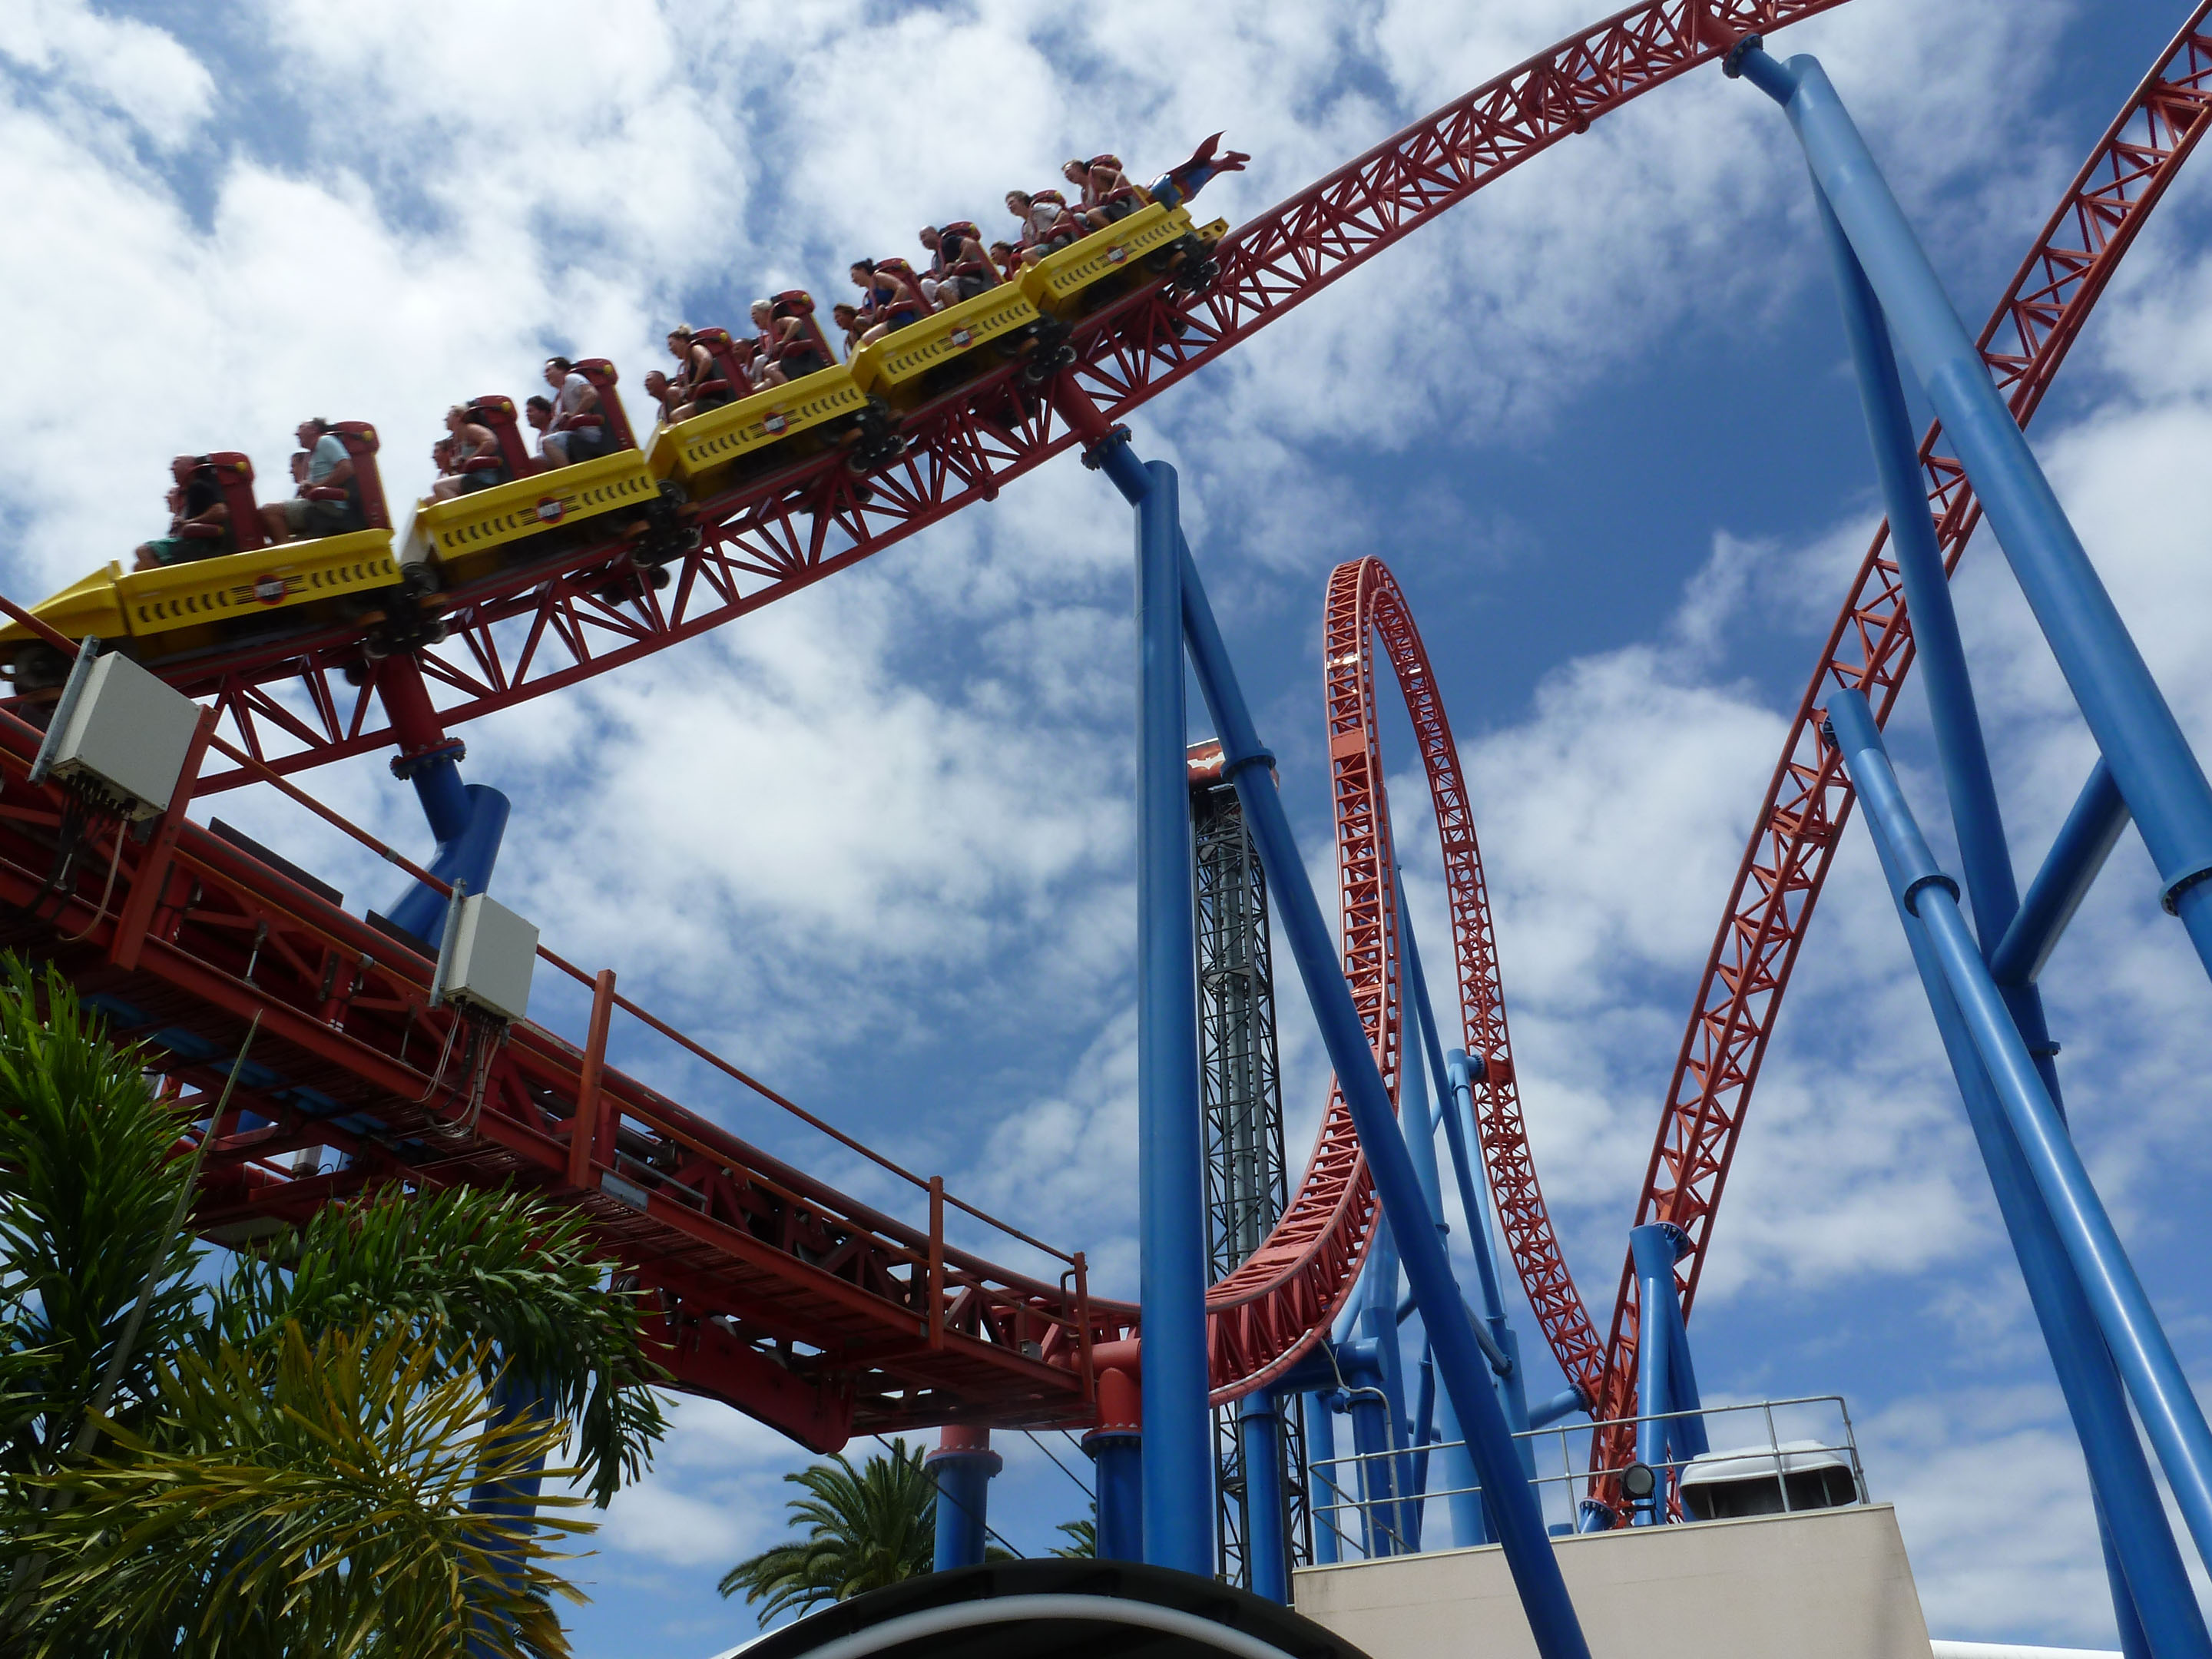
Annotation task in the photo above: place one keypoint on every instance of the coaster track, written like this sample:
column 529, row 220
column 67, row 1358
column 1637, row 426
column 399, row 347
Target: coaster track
column 819, row 1315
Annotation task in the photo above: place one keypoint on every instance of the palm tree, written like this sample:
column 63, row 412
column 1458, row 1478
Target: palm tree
column 333, row 1519
column 1082, row 1543
column 355, row 1357
column 865, row 1527
column 88, row 1188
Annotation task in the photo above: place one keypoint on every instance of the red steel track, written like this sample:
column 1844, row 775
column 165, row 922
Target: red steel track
column 817, row 1314
column 1809, row 800
column 530, row 631
column 524, row 633
column 1364, row 603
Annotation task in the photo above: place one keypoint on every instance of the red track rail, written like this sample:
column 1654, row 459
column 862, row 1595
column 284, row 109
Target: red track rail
column 1809, row 800
column 776, row 1293
column 1364, row 603
column 523, row 634
column 816, row 1313
column 534, row 630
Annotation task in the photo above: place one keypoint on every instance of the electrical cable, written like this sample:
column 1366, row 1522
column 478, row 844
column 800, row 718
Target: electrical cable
column 989, row 1531
column 1061, row 1466
column 106, row 892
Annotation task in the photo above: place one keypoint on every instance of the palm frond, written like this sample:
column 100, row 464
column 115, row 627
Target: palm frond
column 323, row 1507
column 87, row 1182
column 865, row 1527
column 465, row 1267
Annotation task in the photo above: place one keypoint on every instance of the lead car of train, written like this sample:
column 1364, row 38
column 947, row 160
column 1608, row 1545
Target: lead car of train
column 640, row 499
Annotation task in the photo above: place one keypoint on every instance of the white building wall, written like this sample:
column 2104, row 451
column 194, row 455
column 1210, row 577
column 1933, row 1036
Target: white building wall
column 1828, row 1584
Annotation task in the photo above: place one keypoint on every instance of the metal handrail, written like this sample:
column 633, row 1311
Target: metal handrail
column 1346, row 1484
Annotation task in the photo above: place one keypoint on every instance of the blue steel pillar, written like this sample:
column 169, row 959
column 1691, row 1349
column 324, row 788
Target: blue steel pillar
column 1984, row 854
column 1460, row 1361
column 2101, row 1270
column 515, row 1399
column 1667, row 1378
column 1178, row 1449
column 2085, row 840
column 1455, row 1467
column 467, row 820
column 1266, row 1512
column 962, row 1464
column 1986, row 860
column 1116, row 1450
column 2164, row 786
column 1324, row 1492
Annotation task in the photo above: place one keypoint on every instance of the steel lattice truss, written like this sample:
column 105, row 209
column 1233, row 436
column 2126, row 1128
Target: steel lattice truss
column 534, row 630
column 1365, row 604
column 1871, row 647
column 777, row 1293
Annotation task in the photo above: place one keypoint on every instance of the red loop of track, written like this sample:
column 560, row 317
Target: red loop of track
column 1809, row 801
column 533, row 630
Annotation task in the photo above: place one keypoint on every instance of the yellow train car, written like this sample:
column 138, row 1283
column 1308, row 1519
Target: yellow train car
column 1065, row 284
column 698, row 452
column 904, row 368
column 471, row 535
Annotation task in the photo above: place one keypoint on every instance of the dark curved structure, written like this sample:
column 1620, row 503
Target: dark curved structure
column 1065, row 1609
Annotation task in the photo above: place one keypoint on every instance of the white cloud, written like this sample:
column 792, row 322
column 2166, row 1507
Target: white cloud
column 875, row 843
column 117, row 65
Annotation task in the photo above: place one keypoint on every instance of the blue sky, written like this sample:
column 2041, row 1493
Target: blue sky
column 874, row 842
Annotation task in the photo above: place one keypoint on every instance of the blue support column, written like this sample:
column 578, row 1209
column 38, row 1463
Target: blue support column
column 1267, row 1514
column 467, row 820
column 962, row 1464
column 1460, row 1133
column 1668, row 1380
column 1455, row 1466
column 2131, row 1515
column 1325, row 1491
column 2164, row 786
column 1460, row 1361
column 1178, row 1448
column 2085, row 840
column 515, row 1399
column 2088, row 836
column 2100, row 1270
column 1984, row 854
column 1383, row 1526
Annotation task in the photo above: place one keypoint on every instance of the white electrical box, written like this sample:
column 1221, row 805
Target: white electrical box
column 127, row 737
column 493, row 952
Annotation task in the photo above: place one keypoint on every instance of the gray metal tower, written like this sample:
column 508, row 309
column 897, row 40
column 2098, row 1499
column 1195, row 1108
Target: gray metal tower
column 1247, row 1184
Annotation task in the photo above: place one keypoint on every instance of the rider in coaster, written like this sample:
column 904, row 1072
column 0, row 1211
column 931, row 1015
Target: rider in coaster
column 1046, row 224
column 194, row 499
column 894, row 295
column 657, row 387
column 1108, row 195
column 848, row 317
column 1175, row 187
column 784, row 350
column 465, row 439
column 699, row 384
column 958, row 267
column 328, row 467
column 566, row 444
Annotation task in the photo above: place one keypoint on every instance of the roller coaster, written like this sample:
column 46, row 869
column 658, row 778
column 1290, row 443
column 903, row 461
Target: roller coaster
column 818, row 1315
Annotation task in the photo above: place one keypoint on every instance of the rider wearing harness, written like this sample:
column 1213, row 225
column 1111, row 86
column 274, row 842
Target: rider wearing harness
column 894, row 296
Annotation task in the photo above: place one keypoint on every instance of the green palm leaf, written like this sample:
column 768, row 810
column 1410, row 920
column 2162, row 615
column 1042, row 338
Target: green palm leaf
column 466, row 1267
column 324, row 1508
column 865, row 1527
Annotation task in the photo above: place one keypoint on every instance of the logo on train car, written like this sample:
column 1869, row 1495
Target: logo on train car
column 550, row 510
column 1115, row 254
column 961, row 336
column 268, row 590
column 774, row 422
